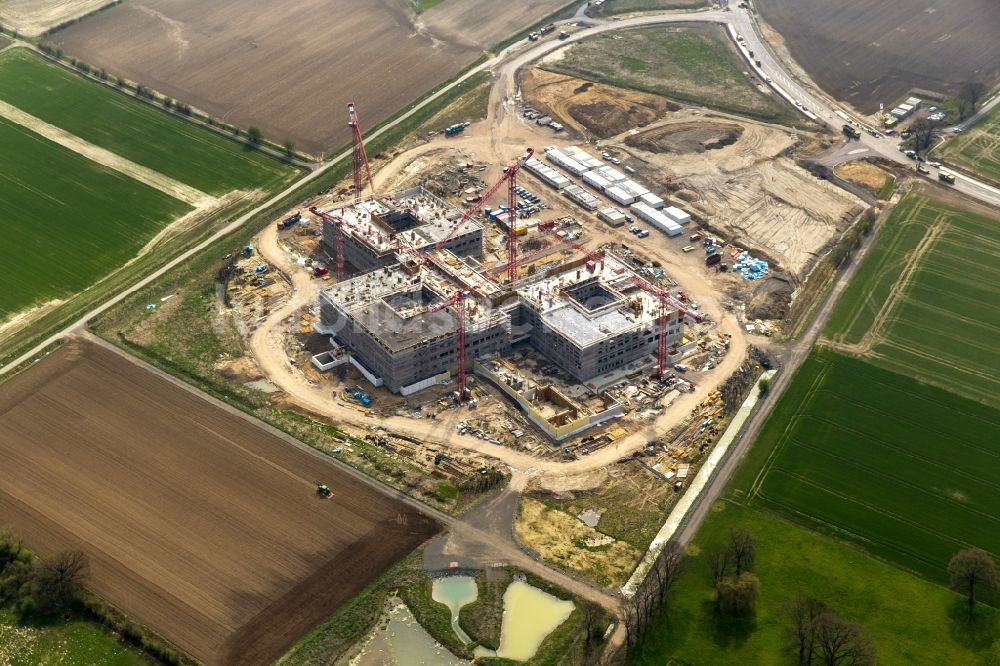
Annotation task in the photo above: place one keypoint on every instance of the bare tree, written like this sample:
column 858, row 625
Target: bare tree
column 630, row 613
column 923, row 133
column 670, row 565
column 802, row 632
column 969, row 95
column 972, row 570
column 57, row 581
column 742, row 550
column 718, row 561
column 841, row 643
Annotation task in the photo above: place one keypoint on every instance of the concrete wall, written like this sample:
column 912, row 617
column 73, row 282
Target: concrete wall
column 558, row 433
column 604, row 356
column 401, row 368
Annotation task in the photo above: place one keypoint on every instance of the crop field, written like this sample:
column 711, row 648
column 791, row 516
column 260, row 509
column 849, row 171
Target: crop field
column 905, row 470
column 868, row 53
column 90, row 176
column 291, row 68
column 978, row 147
column 33, row 17
column 198, row 522
column 134, row 130
column 696, row 64
column 926, row 302
column 60, row 239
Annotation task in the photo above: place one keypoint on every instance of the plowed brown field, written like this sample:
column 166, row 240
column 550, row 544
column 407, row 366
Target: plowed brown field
column 198, row 522
column 867, row 52
column 291, row 67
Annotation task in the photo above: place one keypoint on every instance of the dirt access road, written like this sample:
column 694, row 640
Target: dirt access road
column 197, row 522
column 268, row 348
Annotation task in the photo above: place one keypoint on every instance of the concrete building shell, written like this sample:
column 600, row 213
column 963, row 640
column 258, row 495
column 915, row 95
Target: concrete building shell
column 585, row 316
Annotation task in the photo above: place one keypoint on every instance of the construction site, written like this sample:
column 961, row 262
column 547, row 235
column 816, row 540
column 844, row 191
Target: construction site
column 428, row 310
column 503, row 292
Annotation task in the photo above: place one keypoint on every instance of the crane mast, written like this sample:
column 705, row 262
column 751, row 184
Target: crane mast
column 360, row 154
column 509, row 174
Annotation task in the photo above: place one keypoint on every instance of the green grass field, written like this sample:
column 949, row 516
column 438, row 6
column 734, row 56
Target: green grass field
column 67, row 220
column 908, row 471
column 880, row 461
column 926, row 301
column 125, row 126
column 911, row 621
column 73, row 643
column 696, row 64
column 977, row 148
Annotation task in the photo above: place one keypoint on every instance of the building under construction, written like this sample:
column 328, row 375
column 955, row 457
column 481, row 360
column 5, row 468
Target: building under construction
column 399, row 318
column 376, row 227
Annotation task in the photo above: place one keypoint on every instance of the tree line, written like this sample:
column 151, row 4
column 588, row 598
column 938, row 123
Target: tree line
column 46, row 590
column 254, row 135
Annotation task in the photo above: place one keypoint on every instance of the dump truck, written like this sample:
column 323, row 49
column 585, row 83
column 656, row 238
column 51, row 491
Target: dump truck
column 289, row 221
column 852, row 132
column 946, row 176
column 547, row 29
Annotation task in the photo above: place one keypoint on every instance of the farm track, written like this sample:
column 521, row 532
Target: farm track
column 198, row 522
column 145, row 175
column 873, row 335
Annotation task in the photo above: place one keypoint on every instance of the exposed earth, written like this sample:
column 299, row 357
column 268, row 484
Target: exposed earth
column 867, row 53
column 197, row 522
column 291, row 69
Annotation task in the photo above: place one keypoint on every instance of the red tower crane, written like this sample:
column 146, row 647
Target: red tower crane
column 338, row 236
column 360, row 154
column 667, row 302
column 509, row 176
column 457, row 299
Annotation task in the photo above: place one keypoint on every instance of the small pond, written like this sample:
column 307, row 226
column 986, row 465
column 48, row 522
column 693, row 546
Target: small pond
column 529, row 615
column 455, row 592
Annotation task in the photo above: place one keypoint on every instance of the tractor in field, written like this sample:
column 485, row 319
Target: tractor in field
column 323, row 491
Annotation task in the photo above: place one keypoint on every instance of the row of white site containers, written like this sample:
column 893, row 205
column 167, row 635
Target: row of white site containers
column 603, row 177
column 668, row 220
column 547, row 174
column 565, row 161
column 629, row 192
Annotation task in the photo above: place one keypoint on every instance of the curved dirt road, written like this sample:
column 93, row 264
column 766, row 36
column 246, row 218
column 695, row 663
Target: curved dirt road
column 267, row 347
